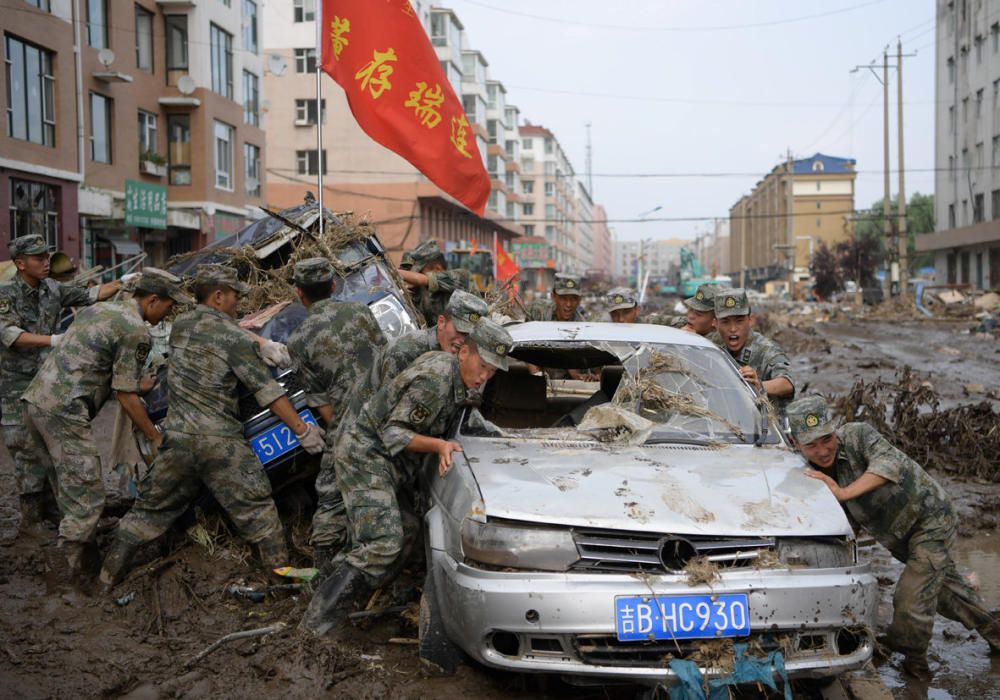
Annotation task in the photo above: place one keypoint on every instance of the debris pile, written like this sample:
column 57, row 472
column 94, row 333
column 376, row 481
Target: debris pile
column 963, row 440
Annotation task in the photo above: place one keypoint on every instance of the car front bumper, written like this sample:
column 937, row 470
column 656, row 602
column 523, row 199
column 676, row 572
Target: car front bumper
column 564, row 623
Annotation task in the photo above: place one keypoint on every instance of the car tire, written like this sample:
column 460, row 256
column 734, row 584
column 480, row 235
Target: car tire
column 438, row 655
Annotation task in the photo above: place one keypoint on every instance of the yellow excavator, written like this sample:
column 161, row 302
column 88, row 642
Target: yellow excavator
column 479, row 263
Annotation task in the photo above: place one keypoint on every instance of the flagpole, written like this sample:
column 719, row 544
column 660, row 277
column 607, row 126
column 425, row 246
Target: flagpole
column 494, row 256
column 318, row 14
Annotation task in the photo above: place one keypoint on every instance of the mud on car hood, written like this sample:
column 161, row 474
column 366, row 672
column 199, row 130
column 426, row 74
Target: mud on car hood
column 738, row 490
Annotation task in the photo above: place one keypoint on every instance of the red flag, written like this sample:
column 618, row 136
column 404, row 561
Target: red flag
column 399, row 94
column 507, row 269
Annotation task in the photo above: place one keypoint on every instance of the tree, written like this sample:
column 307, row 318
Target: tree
column 825, row 271
column 870, row 224
column 859, row 259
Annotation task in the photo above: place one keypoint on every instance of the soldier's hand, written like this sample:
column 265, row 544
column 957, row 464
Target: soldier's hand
column 275, row 355
column 312, row 439
column 444, row 455
column 55, row 339
column 156, row 443
column 826, row 479
column 147, row 383
column 750, row 374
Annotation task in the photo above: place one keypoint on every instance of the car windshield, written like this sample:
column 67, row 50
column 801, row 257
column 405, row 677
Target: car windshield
column 630, row 393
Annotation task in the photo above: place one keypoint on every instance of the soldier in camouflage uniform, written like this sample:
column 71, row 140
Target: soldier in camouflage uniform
column 433, row 281
column 30, row 307
column 908, row 512
column 332, row 350
column 563, row 304
column 204, row 443
column 762, row 362
column 700, row 316
column 103, row 351
column 408, row 415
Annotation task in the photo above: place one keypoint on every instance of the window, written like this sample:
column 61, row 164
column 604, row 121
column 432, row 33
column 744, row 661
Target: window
column 305, row 112
column 33, row 210
column 965, row 110
column 951, row 119
column 526, row 144
column 550, row 231
column 179, row 148
column 251, row 167
column 147, row 134
column 965, row 159
column 977, row 209
column 819, row 205
column 250, row 26
column 223, row 156
column 305, row 60
column 177, row 47
column 550, row 189
column 979, row 103
column 528, row 209
column 550, row 168
column 222, row 61
column 529, row 229
column 979, row 156
column 227, row 3
column 979, row 50
column 306, row 162
column 143, row 39
column 100, row 128
column 40, row 4
column 251, row 99
column 951, row 167
column 995, row 204
column 528, row 164
column 550, row 211
column 951, row 69
column 97, row 23
column 817, row 166
column 304, row 10
column 548, row 145
column 951, row 216
column 31, row 114
column 995, row 36
column 529, row 186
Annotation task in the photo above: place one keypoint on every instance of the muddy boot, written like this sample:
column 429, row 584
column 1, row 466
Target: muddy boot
column 323, row 555
column 335, row 597
column 116, row 564
column 915, row 665
column 991, row 633
column 273, row 552
column 32, row 510
column 62, row 567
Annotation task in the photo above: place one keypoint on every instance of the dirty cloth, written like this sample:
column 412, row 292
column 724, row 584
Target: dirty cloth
column 749, row 669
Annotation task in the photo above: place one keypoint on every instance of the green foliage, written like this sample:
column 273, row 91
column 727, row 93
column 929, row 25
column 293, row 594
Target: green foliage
column 869, row 224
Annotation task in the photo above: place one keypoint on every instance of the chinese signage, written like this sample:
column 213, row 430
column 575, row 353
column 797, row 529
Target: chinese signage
column 533, row 255
column 145, row 205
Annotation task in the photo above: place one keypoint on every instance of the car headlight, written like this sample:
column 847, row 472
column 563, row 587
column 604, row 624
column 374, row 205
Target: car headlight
column 518, row 546
column 818, row 553
column 392, row 316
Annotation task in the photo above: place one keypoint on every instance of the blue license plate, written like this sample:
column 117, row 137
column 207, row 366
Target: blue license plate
column 278, row 440
column 639, row 618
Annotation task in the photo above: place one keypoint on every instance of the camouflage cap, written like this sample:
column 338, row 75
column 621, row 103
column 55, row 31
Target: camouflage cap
column 732, row 302
column 32, row 244
column 312, row 271
column 163, row 284
column 809, row 419
column 567, row 284
column 424, row 254
column 466, row 310
column 220, row 275
column 493, row 341
column 621, row 298
column 704, row 298
column 407, row 261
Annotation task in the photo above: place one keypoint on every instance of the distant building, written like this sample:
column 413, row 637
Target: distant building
column 712, row 248
column 966, row 242
column 75, row 132
column 761, row 243
column 659, row 258
column 603, row 260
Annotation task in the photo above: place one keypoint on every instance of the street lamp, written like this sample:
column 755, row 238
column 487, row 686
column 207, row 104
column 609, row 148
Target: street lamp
column 644, row 214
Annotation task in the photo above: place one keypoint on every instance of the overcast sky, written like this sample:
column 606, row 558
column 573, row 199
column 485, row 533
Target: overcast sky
column 711, row 87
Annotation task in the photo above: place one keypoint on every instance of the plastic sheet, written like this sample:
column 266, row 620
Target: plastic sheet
column 748, row 669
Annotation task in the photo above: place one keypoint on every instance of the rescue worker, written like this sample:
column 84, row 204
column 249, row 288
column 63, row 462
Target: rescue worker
column 432, row 279
column 906, row 511
column 334, row 348
column 563, row 303
column 700, row 317
column 762, row 363
column 407, row 416
column 623, row 305
column 102, row 352
column 204, row 442
column 30, row 307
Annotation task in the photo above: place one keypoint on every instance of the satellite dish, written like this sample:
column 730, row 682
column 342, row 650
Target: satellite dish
column 277, row 64
column 106, row 57
column 265, row 105
column 186, row 85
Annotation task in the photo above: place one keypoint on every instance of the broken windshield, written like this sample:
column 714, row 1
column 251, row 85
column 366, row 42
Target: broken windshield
column 647, row 392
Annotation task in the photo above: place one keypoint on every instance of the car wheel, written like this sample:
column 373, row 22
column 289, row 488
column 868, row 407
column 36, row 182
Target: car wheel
column 437, row 653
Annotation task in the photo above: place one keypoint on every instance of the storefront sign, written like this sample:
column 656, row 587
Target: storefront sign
column 145, row 205
column 532, row 255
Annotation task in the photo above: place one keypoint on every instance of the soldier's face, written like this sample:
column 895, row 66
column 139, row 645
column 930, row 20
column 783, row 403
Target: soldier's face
column 449, row 338
column 735, row 330
column 701, row 321
column 474, row 370
column 156, row 308
column 436, row 266
column 35, row 267
column 625, row 315
column 822, row 451
column 228, row 299
column 565, row 306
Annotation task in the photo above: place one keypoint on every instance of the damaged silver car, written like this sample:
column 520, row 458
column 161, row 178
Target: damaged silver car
column 600, row 529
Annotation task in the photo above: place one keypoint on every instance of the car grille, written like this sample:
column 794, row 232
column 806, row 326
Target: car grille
column 615, row 551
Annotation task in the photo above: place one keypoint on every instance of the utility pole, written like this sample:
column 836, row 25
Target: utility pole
column 891, row 248
column 904, row 240
column 590, row 174
column 790, row 225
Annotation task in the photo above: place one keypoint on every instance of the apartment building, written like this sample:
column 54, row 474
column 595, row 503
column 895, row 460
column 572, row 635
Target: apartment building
column 602, row 263
column 163, row 103
column 660, row 258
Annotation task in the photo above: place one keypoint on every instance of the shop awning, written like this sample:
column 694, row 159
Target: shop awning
column 125, row 249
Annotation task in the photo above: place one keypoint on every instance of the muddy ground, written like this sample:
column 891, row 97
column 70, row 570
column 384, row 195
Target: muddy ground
column 75, row 646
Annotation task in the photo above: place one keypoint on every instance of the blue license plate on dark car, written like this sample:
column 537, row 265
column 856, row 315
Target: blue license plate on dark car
column 279, row 440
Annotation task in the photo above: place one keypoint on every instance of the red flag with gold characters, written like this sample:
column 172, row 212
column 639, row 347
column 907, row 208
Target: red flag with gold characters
column 507, row 269
column 378, row 51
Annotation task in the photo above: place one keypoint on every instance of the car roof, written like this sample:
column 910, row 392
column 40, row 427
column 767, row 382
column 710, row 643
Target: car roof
column 565, row 331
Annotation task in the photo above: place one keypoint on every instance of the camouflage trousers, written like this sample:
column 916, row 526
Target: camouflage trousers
column 69, row 442
column 185, row 462
column 931, row 583
column 329, row 525
column 33, row 469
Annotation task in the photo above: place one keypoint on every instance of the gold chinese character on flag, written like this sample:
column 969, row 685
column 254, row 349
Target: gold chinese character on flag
column 374, row 75
column 459, row 127
column 425, row 103
column 338, row 28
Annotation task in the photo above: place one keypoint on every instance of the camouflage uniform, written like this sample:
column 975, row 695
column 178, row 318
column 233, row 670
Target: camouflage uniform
column 204, row 441
column 332, row 350
column 432, row 299
column 912, row 517
column 545, row 309
column 103, row 351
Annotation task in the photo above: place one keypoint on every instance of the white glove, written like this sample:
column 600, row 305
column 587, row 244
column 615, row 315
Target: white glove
column 312, row 440
column 276, row 355
column 130, row 277
column 54, row 340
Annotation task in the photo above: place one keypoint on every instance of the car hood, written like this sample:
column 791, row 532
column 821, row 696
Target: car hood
column 737, row 490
